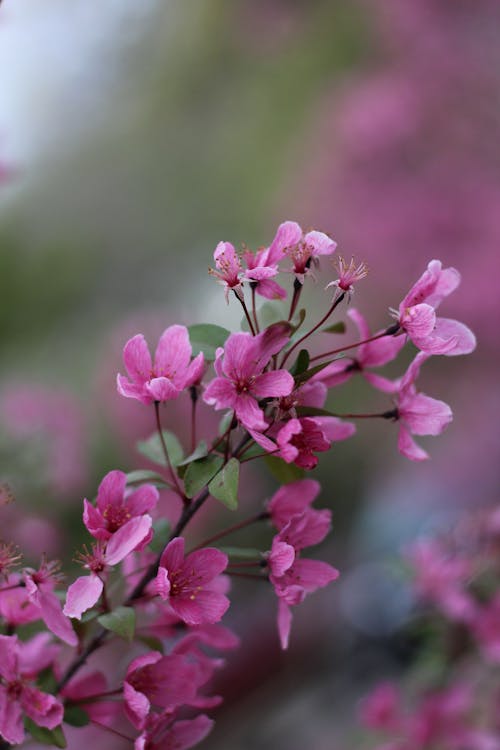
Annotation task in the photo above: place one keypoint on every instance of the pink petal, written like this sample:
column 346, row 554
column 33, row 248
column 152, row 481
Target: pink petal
column 9, row 648
column 380, row 383
column 37, row 654
column 194, row 372
column 238, row 356
column 335, row 373
column 54, row 618
column 271, row 290
column 249, row 413
column 131, row 390
column 11, row 724
column 44, row 709
column 137, row 706
column 82, row 595
column 162, row 389
column 207, row 563
column 173, row 555
column 185, row 734
column 280, row 558
column 111, row 490
column 162, row 583
column 272, row 384
column 465, row 341
column 263, row 441
column 137, row 359
column 413, row 371
column 424, row 415
column 259, row 273
column 94, row 521
column 220, row 393
column 381, row 351
column 127, row 538
column 321, row 243
column 206, row 607
column 360, row 322
column 142, row 500
column 419, row 321
column 289, row 234
column 335, row 429
column 265, row 344
column 313, row 574
column 408, row 447
column 173, row 353
column 292, row 499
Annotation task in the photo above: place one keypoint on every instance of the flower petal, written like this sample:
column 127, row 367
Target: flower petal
column 82, row 595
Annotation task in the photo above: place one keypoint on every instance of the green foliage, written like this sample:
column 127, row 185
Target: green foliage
column 54, row 737
column 335, row 328
column 120, row 621
column 206, row 338
column 153, row 449
column 76, row 716
column 161, row 535
column 283, row 472
column 199, row 473
column 224, row 486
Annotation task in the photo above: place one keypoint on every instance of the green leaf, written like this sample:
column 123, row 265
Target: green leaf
column 161, row 535
column 120, row 621
column 225, row 422
column 301, row 363
column 153, row 643
column 305, row 376
column 224, row 486
column 152, row 448
column 199, row 473
column 335, row 328
column 200, row 451
column 297, row 322
column 54, row 737
column 244, row 553
column 206, row 338
column 143, row 476
column 76, row 716
column 282, row 471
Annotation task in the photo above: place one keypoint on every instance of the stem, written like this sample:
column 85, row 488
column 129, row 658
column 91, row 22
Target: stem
column 173, row 475
column 297, row 289
column 391, row 414
column 254, row 308
column 391, row 331
column 194, row 400
column 247, row 315
column 248, row 564
column 250, row 576
column 325, row 317
column 232, row 529
column 113, row 731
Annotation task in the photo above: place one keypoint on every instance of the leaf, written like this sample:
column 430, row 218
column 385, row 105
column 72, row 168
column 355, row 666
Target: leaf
column 54, row 737
column 153, row 643
column 282, row 471
column 224, row 486
column 161, row 535
column 120, row 621
column 206, row 338
column 296, row 323
column 76, row 716
column 244, row 553
column 199, row 473
column 225, row 422
column 301, row 363
column 200, row 451
column 143, row 476
column 335, row 328
column 305, row 376
column 153, row 449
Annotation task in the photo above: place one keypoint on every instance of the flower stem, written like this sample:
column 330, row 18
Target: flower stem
column 254, row 309
column 247, row 315
column 232, row 529
column 297, row 289
column 172, row 473
column 391, row 331
column 325, row 317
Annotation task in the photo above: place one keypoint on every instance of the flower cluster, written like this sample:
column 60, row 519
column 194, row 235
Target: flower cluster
column 142, row 583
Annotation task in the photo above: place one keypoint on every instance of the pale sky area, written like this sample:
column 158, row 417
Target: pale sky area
column 57, row 61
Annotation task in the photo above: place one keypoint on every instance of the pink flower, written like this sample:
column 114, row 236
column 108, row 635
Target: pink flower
column 301, row 248
column 91, row 686
column 260, row 270
column 172, row 372
column 165, row 734
column 114, row 508
column 349, row 275
column 300, row 439
column 164, row 681
column 86, row 590
column 486, row 628
column 293, row 499
column 418, row 414
column 228, row 269
column 20, row 663
column 381, row 709
column 241, row 382
column 441, row 579
column 40, row 586
column 417, row 314
column 188, row 583
column 15, row 605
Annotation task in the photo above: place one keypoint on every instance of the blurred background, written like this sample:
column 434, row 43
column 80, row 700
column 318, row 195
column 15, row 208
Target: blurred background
column 134, row 137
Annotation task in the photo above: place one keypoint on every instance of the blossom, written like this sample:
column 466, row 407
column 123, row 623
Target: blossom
column 349, row 275
column 260, row 270
column 418, row 414
column 188, row 582
column 301, row 248
column 40, row 586
column 417, row 314
column 300, row 439
column 164, row 733
column 240, row 380
column 294, row 499
column 19, row 665
column 228, row 269
column 114, row 508
column 171, row 373
column 86, row 590
column 164, row 681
